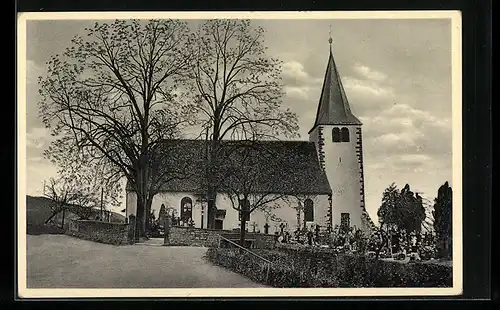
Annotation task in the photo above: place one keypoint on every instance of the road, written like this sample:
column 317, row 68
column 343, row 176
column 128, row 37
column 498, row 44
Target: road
column 59, row 261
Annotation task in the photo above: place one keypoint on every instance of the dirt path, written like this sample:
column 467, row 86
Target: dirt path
column 59, row 261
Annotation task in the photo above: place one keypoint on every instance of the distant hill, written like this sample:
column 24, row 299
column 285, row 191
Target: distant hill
column 38, row 211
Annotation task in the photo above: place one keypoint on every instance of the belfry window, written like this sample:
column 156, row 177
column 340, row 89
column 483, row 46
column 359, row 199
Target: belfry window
column 336, row 134
column 345, row 134
column 308, row 210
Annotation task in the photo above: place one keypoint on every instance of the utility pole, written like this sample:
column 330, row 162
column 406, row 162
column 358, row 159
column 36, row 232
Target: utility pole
column 202, row 211
column 102, row 194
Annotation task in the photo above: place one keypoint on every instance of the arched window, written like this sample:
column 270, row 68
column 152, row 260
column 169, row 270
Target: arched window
column 308, row 210
column 345, row 134
column 186, row 208
column 336, row 134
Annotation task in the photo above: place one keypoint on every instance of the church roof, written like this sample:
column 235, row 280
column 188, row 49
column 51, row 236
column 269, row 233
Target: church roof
column 281, row 167
column 333, row 107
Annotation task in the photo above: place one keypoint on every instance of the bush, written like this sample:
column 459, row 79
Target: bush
column 318, row 268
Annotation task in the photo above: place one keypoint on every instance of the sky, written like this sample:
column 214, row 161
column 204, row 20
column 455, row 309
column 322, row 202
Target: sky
column 396, row 74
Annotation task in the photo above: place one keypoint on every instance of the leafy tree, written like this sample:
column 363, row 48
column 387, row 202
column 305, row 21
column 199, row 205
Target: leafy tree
column 235, row 92
column 443, row 220
column 389, row 212
column 402, row 212
column 111, row 96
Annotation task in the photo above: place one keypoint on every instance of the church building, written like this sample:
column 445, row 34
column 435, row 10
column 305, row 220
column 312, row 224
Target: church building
column 321, row 182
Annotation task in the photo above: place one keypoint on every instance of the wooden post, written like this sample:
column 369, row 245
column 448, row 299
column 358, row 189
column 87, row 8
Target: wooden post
column 62, row 222
column 267, row 272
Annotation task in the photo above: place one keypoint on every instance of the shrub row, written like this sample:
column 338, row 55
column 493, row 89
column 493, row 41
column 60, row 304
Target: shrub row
column 308, row 269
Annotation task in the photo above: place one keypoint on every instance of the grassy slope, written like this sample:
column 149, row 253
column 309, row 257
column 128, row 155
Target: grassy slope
column 38, row 210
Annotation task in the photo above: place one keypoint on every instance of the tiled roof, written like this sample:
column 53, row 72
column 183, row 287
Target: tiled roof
column 290, row 167
column 333, row 107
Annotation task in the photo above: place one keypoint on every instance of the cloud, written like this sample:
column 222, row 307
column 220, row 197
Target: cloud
column 366, row 87
column 368, row 73
column 38, row 170
column 33, row 71
column 398, row 140
column 38, row 138
column 294, row 92
column 419, row 117
column 294, row 74
column 402, row 120
column 413, row 158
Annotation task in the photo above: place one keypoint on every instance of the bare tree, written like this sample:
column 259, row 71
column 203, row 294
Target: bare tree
column 80, row 186
column 254, row 178
column 111, row 96
column 235, row 91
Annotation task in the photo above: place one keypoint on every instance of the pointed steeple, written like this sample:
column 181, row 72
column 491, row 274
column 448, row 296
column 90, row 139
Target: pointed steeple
column 333, row 107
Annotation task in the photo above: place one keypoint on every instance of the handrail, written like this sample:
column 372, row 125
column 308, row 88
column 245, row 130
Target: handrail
column 246, row 250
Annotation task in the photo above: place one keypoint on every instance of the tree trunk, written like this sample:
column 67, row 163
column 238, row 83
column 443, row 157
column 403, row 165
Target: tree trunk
column 242, row 231
column 298, row 218
column 54, row 213
column 147, row 213
column 377, row 253
column 212, row 182
column 142, row 198
column 139, row 217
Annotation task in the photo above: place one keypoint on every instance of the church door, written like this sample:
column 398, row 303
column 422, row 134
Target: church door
column 186, row 209
column 218, row 224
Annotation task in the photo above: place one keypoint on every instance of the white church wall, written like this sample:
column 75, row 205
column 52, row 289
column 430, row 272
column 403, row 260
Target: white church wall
column 344, row 175
column 170, row 200
column 284, row 213
column 173, row 200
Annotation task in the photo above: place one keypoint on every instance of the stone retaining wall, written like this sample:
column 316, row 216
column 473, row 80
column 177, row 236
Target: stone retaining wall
column 103, row 232
column 210, row 237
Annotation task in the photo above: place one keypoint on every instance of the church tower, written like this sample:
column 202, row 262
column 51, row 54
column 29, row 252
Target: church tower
column 338, row 138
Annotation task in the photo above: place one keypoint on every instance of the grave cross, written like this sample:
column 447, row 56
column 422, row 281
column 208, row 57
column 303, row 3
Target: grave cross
column 266, row 228
column 282, row 227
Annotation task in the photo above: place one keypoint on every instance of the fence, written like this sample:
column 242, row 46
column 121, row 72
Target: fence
column 266, row 261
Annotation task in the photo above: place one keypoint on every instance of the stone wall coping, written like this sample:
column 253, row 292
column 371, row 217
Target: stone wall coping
column 100, row 222
column 222, row 231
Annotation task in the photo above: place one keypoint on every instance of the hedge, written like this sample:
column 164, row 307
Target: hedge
column 315, row 269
